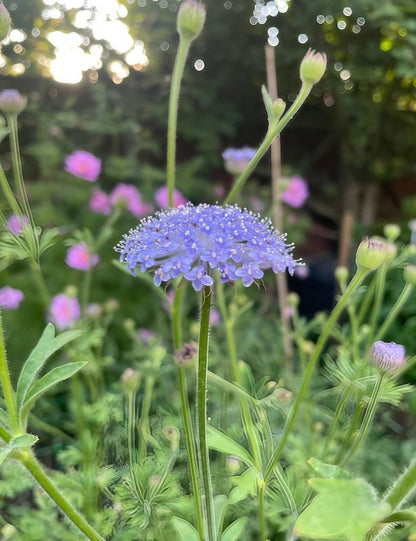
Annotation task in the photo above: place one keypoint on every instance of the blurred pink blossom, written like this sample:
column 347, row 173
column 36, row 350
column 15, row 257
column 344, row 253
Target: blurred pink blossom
column 100, row 202
column 84, row 165
column 64, row 311
column 162, row 199
column 302, row 271
column 10, row 298
column 296, row 193
column 128, row 195
column 288, row 312
column 79, row 257
column 15, row 223
column 214, row 317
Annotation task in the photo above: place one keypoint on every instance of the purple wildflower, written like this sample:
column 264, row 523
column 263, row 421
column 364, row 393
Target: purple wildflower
column 387, row 355
column 194, row 240
column 296, row 193
column 79, row 257
column 128, row 196
column 237, row 159
column 84, row 165
column 15, row 224
column 64, row 311
column 100, row 202
column 10, row 298
column 12, row 102
column 162, row 198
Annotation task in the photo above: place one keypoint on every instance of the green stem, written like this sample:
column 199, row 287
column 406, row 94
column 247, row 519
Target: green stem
column 131, row 424
column 27, row 458
column 403, row 486
column 184, row 45
column 380, row 287
column 202, row 412
column 86, row 286
column 231, row 388
column 8, row 193
column 368, row 417
column 43, row 290
column 189, row 435
column 262, row 516
column 5, row 434
column 272, row 132
column 404, row 295
column 355, row 282
column 356, row 420
column 7, row 386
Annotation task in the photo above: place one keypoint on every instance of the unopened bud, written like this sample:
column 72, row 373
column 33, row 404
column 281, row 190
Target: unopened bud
column 187, row 354
column 312, row 67
column 392, row 232
column 191, row 19
column 387, row 355
column 130, row 379
column 4, row 21
column 409, row 274
column 171, row 433
column 371, row 253
column 12, row 102
column 293, row 300
column 233, row 464
column 341, row 274
column 279, row 107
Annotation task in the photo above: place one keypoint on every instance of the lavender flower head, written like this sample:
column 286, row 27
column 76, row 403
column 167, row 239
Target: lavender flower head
column 84, row 165
column 10, row 298
column 194, row 240
column 237, row 159
column 387, row 355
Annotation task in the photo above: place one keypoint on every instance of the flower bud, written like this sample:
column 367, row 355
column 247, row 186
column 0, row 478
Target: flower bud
column 371, row 253
column 191, row 19
column 341, row 274
column 293, row 299
column 130, row 379
column 392, row 232
column 409, row 274
column 187, row 354
column 279, row 107
column 171, row 433
column 233, row 464
column 312, row 67
column 4, row 21
column 12, row 102
column 387, row 355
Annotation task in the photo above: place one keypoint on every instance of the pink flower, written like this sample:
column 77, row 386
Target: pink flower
column 162, row 199
column 79, row 257
column 15, row 224
column 302, row 271
column 128, row 196
column 214, row 318
column 64, row 311
column 100, row 202
column 297, row 192
column 84, row 165
column 10, row 298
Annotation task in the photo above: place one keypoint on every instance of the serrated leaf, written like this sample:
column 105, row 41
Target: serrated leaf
column 185, row 529
column 48, row 344
column 222, row 442
column 55, row 376
column 23, row 441
column 342, row 507
column 267, row 103
column 235, row 530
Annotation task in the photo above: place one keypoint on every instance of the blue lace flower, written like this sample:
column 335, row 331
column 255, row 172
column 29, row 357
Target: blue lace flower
column 193, row 241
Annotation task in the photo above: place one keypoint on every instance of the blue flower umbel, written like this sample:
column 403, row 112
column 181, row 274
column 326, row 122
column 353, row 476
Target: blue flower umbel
column 193, row 241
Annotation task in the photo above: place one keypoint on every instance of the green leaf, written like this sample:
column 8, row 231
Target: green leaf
column 185, row 529
column 235, row 530
column 4, row 453
column 220, row 507
column 245, row 484
column 267, row 103
column 48, row 344
column 342, row 507
column 328, row 470
column 221, row 442
column 55, row 376
column 23, row 441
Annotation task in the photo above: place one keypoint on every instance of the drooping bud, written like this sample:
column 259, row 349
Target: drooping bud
column 191, row 19
column 4, row 21
column 387, row 355
column 312, row 67
column 409, row 274
column 371, row 253
column 12, row 102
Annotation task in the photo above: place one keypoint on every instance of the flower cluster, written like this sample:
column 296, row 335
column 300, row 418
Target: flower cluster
column 296, row 193
column 194, row 240
column 84, row 165
column 123, row 195
column 10, row 298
